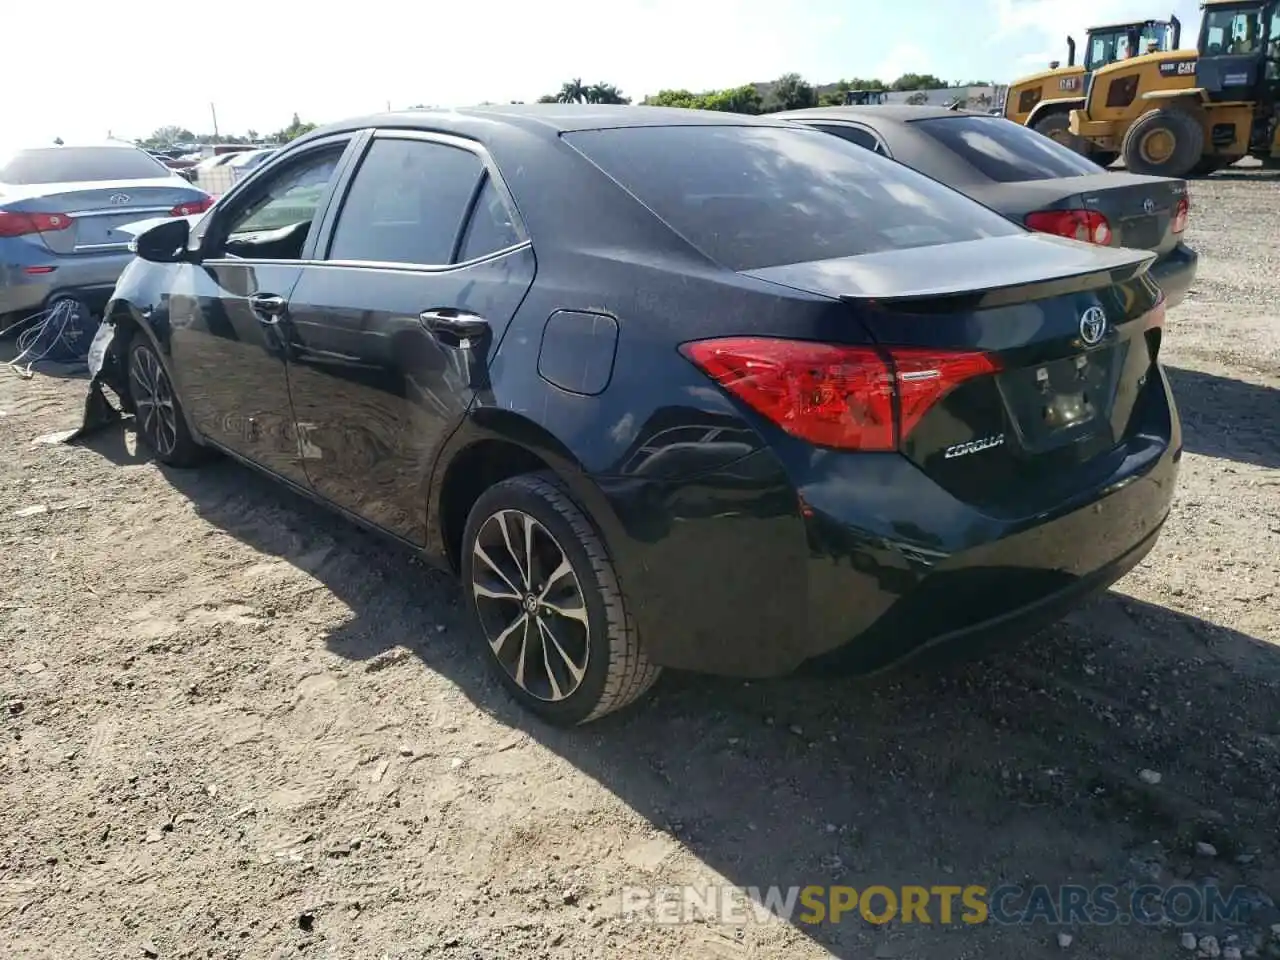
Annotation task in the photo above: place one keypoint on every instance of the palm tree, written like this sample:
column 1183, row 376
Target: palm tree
column 605, row 93
column 573, row 92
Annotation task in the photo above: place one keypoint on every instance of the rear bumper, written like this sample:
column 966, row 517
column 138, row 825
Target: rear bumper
column 1175, row 272
column 90, row 277
column 747, row 572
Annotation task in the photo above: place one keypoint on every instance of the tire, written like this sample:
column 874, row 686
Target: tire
column 601, row 666
column 1104, row 158
column 158, row 413
column 1057, row 127
column 1179, row 135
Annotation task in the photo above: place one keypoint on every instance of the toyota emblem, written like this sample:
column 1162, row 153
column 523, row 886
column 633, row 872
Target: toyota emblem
column 1149, row 205
column 1093, row 325
column 118, row 198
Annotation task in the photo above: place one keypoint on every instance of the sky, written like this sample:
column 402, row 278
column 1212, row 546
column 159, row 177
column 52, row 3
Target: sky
column 126, row 68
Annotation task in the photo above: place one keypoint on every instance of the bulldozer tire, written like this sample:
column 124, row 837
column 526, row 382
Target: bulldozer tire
column 1057, row 126
column 1164, row 143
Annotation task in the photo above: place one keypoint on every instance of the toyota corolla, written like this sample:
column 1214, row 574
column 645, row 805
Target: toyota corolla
column 665, row 388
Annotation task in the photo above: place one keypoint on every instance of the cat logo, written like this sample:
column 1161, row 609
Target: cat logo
column 1069, row 83
column 1178, row 68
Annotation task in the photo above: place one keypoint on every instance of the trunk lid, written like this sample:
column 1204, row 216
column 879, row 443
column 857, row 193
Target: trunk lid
column 1071, row 329
column 97, row 209
column 1139, row 209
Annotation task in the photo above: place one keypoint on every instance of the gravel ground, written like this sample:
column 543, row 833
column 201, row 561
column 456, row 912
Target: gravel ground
column 235, row 727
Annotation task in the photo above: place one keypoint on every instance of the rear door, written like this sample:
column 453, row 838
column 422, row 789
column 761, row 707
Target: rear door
column 390, row 336
column 228, row 313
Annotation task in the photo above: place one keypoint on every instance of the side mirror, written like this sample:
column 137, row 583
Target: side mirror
column 165, row 242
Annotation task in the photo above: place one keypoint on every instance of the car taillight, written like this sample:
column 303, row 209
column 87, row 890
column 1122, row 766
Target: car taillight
column 1087, row 225
column 848, row 398
column 13, row 224
column 1180, row 215
column 192, row 207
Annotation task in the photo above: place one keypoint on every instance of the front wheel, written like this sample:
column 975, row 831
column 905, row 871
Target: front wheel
column 552, row 617
column 1163, row 143
column 157, row 410
column 1057, row 127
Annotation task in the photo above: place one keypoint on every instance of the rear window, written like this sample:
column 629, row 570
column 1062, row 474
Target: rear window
column 1004, row 151
column 751, row 197
column 76, row 164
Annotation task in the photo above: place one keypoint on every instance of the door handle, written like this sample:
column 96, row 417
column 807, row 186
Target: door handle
column 268, row 306
column 454, row 326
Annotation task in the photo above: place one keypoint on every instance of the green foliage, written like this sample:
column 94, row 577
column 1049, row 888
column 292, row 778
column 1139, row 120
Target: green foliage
column 743, row 99
column 295, row 129
column 790, row 92
column 575, row 91
column 918, row 81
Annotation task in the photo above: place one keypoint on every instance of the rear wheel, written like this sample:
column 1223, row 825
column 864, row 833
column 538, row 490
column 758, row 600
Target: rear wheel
column 157, row 410
column 551, row 614
column 1057, row 126
column 1164, row 143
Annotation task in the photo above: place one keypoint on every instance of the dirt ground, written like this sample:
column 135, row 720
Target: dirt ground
column 235, row 727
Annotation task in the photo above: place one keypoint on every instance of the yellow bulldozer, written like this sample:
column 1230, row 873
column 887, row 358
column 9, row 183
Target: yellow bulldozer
column 1183, row 113
column 1044, row 100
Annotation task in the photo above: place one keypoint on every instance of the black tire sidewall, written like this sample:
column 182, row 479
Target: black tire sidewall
column 525, row 493
column 1188, row 146
column 185, row 450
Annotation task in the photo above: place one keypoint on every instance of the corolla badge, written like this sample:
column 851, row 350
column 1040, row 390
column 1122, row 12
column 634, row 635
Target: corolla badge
column 1093, row 325
column 1149, row 205
column 119, row 198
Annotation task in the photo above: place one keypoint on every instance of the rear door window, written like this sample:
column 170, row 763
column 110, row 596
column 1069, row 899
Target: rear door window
column 857, row 135
column 760, row 196
column 79, row 165
column 406, row 203
column 1004, row 151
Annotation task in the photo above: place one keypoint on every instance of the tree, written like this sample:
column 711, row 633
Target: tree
column 918, row 99
column 743, row 99
column 791, row 92
column 170, row 134
column 572, row 92
column 918, row 81
column 549, row 98
column 604, row 93
column 835, row 98
column 295, row 129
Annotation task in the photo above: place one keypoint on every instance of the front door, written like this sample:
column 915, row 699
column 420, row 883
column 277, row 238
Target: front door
column 390, row 336
column 228, row 312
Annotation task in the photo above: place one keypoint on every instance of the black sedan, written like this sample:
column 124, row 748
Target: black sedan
column 1029, row 178
column 666, row 388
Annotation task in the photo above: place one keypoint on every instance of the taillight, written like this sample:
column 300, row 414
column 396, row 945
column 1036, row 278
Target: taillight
column 1087, row 225
column 848, row 398
column 13, row 224
column 1180, row 215
column 192, row 207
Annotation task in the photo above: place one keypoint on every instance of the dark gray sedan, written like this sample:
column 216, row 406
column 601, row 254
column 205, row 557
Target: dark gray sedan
column 1029, row 178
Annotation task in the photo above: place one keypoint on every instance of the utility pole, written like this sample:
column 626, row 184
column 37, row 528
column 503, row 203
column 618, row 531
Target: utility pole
column 214, row 111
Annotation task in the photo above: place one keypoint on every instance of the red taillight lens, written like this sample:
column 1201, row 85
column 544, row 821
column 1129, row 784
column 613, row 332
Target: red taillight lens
column 192, row 207
column 1087, row 225
column 1180, row 215
column 836, row 396
column 20, row 224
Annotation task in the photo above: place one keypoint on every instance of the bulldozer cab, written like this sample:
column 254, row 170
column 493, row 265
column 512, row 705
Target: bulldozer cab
column 1121, row 41
column 1239, row 51
column 863, row 98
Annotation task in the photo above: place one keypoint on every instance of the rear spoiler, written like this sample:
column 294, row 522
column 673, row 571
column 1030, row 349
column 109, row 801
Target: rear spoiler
column 993, row 272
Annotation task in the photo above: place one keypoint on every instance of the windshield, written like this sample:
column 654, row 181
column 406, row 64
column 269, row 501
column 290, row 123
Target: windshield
column 756, row 196
column 78, row 164
column 1004, row 151
column 1118, row 43
column 1233, row 31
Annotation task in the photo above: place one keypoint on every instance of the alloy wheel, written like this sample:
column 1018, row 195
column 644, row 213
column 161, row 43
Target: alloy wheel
column 152, row 392
column 531, row 605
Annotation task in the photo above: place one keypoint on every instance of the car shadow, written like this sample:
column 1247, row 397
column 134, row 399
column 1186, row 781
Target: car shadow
column 981, row 772
column 1227, row 418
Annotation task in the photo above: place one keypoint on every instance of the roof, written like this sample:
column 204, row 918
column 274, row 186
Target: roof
column 547, row 119
column 893, row 112
column 1125, row 24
